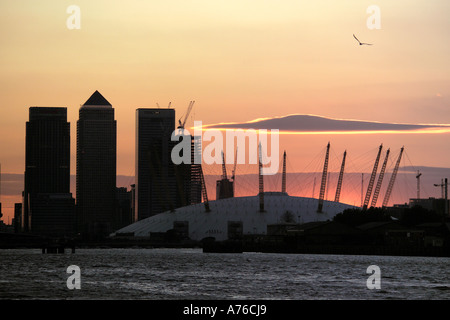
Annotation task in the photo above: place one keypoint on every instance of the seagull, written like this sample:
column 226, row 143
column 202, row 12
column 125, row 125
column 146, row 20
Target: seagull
column 361, row 43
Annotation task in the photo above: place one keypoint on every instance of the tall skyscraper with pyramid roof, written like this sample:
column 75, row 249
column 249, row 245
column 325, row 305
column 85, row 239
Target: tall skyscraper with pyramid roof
column 96, row 168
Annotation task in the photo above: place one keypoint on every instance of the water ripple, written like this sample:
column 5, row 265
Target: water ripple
column 192, row 274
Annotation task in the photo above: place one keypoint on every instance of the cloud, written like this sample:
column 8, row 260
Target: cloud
column 315, row 124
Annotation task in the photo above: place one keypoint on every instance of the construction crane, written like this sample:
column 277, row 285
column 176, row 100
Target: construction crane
column 418, row 184
column 380, row 180
column 224, row 186
column 372, row 179
column 283, row 179
column 181, row 124
column 444, row 188
column 341, row 176
column 392, row 181
column 324, row 180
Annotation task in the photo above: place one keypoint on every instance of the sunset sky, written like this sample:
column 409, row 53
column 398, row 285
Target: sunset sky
column 239, row 61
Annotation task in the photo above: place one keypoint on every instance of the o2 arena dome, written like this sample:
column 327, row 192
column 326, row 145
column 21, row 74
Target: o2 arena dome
column 235, row 214
column 229, row 217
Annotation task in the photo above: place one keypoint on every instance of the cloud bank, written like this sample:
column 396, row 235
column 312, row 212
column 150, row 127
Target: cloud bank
column 312, row 123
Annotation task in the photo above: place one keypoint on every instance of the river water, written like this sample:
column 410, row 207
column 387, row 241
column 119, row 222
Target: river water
column 178, row 274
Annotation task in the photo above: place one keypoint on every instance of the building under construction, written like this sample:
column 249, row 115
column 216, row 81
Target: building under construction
column 225, row 186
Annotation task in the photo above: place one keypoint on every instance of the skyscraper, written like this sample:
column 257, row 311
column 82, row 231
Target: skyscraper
column 155, row 176
column 47, row 172
column 96, row 167
column 160, row 184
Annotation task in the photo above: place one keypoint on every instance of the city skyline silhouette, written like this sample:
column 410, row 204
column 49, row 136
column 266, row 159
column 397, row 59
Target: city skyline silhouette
column 239, row 62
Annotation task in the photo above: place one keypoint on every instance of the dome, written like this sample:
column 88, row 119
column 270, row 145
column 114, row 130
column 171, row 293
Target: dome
column 244, row 211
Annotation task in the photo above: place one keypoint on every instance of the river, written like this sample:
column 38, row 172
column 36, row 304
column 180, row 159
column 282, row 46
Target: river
column 180, row 274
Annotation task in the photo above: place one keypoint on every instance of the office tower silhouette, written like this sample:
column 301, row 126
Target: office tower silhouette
column 160, row 185
column 48, row 206
column 96, row 168
column 154, row 174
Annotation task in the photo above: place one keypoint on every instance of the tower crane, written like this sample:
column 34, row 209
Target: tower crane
column 224, row 187
column 181, row 124
column 444, row 188
column 418, row 184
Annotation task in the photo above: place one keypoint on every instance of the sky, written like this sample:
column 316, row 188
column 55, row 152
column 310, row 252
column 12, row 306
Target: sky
column 239, row 61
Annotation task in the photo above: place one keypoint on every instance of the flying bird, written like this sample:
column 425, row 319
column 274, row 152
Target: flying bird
column 361, row 43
